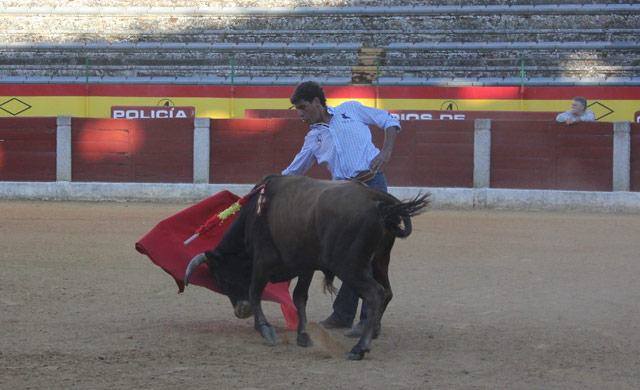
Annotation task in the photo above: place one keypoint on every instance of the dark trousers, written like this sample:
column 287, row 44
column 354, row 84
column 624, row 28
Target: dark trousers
column 345, row 305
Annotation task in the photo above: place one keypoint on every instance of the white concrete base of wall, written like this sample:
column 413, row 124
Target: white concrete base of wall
column 491, row 198
column 619, row 201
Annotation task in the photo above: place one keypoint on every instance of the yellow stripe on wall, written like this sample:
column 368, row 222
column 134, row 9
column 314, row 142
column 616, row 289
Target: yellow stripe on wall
column 220, row 108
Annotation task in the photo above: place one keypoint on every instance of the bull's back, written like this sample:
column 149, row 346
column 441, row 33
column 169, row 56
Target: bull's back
column 301, row 199
column 303, row 212
column 291, row 203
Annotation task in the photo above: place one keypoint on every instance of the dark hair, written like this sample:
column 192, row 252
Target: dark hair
column 581, row 100
column 308, row 91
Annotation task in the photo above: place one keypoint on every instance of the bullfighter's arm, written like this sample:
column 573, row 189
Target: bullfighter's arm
column 303, row 160
column 385, row 154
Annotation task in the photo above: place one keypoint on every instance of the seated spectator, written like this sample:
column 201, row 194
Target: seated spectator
column 578, row 112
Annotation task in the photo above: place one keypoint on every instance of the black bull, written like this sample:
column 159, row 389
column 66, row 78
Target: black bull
column 300, row 225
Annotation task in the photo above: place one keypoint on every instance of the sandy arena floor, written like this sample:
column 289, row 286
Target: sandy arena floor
column 483, row 300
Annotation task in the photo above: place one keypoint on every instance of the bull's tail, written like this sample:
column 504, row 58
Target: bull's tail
column 327, row 283
column 397, row 216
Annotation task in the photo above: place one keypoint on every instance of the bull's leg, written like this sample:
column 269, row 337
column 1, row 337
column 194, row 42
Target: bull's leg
column 373, row 294
column 380, row 266
column 300, row 297
column 383, row 279
column 373, row 297
column 260, row 323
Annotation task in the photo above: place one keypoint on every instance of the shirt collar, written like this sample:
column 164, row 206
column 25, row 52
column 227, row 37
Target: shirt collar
column 320, row 125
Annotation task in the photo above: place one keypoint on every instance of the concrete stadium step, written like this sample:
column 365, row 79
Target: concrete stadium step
column 181, row 38
column 418, row 23
column 499, row 59
column 300, row 8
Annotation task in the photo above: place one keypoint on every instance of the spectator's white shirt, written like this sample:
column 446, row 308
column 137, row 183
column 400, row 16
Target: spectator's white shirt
column 587, row 116
column 344, row 145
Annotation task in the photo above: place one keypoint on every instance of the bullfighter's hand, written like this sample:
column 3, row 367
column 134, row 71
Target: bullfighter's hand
column 380, row 161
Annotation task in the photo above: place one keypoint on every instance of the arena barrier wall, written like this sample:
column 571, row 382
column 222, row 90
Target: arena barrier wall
column 480, row 163
column 135, row 151
column 634, row 145
column 552, row 156
column 434, row 154
column 28, row 149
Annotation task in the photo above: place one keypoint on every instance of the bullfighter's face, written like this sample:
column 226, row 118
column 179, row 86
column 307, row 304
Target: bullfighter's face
column 310, row 112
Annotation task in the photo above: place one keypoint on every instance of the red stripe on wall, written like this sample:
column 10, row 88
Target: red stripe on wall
column 342, row 92
column 600, row 93
column 42, row 90
column 527, row 93
column 215, row 91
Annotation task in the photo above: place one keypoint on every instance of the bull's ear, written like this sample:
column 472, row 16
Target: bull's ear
column 213, row 258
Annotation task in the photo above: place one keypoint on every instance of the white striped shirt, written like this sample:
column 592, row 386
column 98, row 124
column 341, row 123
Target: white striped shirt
column 344, row 145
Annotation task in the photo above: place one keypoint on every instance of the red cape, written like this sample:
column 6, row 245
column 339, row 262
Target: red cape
column 164, row 245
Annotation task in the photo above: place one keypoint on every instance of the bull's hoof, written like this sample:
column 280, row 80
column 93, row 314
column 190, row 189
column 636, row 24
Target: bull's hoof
column 355, row 356
column 304, row 340
column 357, row 353
column 243, row 310
column 269, row 333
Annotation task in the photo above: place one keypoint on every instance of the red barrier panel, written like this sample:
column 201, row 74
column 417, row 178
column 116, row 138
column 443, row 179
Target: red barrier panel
column 635, row 157
column 551, row 156
column 141, row 151
column 432, row 154
column 28, row 149
column 425, row 154
column 246, row 150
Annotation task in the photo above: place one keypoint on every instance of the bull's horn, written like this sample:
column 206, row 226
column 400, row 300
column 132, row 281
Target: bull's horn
column 195, row 263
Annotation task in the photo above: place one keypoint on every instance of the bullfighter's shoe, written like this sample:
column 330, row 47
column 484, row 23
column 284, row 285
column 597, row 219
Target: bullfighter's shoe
column 334, row 322
column 358, row 329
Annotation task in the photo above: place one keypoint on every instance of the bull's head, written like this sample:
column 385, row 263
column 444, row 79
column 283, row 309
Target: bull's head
column 231, row 273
